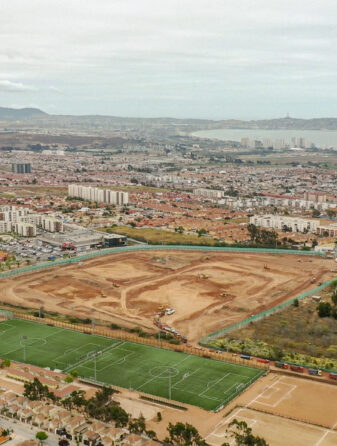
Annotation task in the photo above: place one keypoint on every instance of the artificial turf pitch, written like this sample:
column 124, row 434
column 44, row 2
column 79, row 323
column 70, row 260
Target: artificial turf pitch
column 181, row 377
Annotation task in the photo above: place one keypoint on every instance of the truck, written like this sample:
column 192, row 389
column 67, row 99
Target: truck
column 315, row 372
column 262, row 360
column 296, row 368
column 51, row 257
column 245, row 356
column 281, row 365
column 333, row 376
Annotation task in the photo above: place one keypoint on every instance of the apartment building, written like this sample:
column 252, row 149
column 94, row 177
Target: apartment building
column 209, row 193
column 5, row 226
column 21, row 168
column 295, row 224
column 25, row 229
column 12, row 214
column 51, row 224
column 107, row 196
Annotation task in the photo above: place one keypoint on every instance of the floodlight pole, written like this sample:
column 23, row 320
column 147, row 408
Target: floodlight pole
column 159, row 337
column 170, row 384
column 95, row 374
column 24, row 348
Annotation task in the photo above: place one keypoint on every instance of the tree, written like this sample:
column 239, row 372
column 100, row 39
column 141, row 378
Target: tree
column 184, row 435
column 314, row 243
column 151, row 434
column 137, row 426
column 5, row 363
column 324, row 309
column 242, row 434
column 315, row 213
column 201, row 232
column 159, row 417
column 37, row 391
column 296, row 303
column 253, row 231
column 41, row 436
column 75, row 399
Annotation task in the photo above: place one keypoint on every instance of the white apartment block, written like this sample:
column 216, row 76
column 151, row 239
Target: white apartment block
column 296, row 224
column 25, row 229
column 5, row 226
column 51, row 224
column 209, row 193
column 12, row 214
column 18, row 219
column 107, row 196
column 33, row 219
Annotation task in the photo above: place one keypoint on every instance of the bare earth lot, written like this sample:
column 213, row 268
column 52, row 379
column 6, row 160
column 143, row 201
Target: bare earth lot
column 207, row 290
column 285, row 411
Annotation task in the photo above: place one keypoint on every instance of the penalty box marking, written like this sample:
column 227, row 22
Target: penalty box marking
column 291, row 387
column 103, row 360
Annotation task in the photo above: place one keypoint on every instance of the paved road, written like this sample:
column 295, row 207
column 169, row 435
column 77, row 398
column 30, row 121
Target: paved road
column 23, row 431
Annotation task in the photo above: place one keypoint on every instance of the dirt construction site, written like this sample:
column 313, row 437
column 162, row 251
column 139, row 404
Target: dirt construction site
column 207, row 290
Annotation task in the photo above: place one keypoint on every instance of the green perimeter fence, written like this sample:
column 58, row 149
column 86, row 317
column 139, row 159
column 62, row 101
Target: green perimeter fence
column 91, row 255
column 216, row 334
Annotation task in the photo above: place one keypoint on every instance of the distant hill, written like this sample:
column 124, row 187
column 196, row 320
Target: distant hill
column 286, row 123
column 19, row 114
column 167, row 125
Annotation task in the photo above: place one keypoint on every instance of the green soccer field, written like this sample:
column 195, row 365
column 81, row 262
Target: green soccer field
column 181, row 377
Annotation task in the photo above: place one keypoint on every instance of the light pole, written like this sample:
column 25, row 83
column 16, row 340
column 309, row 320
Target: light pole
column 24, row 348
column 95, row 368
column 169, row 384
column 170, row 369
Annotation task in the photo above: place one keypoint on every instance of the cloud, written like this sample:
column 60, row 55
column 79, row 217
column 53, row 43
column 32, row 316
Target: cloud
column 15, row 87
column 131, row 56
column 55, row 89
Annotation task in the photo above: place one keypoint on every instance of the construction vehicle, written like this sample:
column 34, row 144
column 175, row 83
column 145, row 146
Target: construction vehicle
column 315, row 372
column 203, row 276
column 266, row 266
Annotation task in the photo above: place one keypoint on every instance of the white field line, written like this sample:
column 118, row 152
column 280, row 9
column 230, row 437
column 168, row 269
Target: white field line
column 183, row 379
column 326, row 433
column 155, row 377
column 237, row 411
column 214, row 383
column 89, row 359
column 281, row 398
column 42, row 339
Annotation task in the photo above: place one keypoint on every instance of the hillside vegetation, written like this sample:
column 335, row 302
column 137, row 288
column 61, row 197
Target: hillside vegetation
column 296, row 334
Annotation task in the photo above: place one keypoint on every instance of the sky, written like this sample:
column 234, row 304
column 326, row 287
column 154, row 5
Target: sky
column 209, row 59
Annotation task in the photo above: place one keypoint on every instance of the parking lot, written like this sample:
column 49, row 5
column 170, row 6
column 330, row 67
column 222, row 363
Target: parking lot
column 30, row 250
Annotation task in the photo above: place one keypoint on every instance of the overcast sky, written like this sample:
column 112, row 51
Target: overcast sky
column 214, row 59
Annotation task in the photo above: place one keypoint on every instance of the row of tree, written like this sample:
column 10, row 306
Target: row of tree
column 102, row 407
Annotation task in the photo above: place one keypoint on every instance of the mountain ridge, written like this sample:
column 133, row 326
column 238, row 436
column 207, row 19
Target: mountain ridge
column 28, row 113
